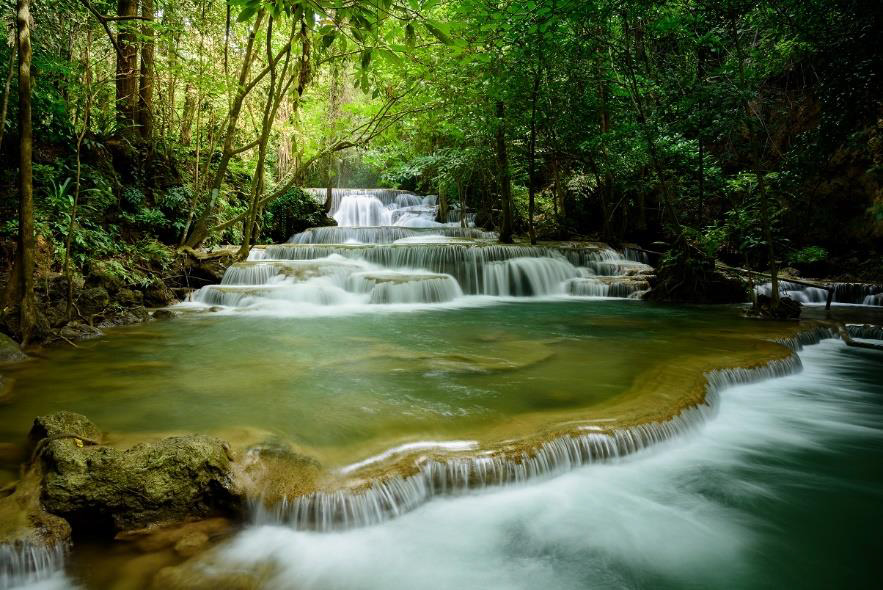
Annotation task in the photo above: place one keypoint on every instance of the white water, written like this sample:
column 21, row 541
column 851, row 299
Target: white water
column 382, row 256
column 850, row 293
column 35, row 568
column 678, row 514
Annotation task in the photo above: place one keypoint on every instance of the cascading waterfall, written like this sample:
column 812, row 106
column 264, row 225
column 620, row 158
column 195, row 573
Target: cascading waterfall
column 386, row 196
column 360, row 210
column 386, row 207
column 396, row 495
column 852, row 293
column 380, row 254
column 23, row 563
column 384, row 235
column 390, row 287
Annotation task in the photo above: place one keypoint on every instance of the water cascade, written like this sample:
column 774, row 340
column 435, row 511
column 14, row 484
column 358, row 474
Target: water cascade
column 387, row 249
column 23, row 564
column 852, row 293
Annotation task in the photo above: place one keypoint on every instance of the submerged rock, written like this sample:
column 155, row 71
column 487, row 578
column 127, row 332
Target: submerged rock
column 165, row 314
column 103, row 488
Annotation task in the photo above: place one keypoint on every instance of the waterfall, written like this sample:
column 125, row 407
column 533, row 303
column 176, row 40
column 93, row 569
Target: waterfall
column 25, row 563
column 526, row 276
column 434, row 476
column 383, row 235
column 384, row 207
column 388, row 248
column 360, row 210
column 391, row 287
column 853, row 293
column 420, row 268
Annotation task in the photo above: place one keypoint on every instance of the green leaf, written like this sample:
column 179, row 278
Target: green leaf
column 438, row 34
column 391, row 56
column 366, row 58
column 247, row 13
column 328, row 39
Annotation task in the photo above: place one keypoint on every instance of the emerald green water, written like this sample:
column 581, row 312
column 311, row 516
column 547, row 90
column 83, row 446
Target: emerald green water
column 783, row 488
column 343, row 388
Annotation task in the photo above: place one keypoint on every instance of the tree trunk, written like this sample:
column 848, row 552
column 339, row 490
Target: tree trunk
column 649, row 136
column 72, row 224
column 145, row 91
column 187, row 115
column 765, row 217
column 6, row 89
column 442, row 203
column 532, row 159
column 200, row 231
column 329, row 185
column 504, row 179
column 607, row 194
column 275, row 93
column 26, row 240
column 127, row 61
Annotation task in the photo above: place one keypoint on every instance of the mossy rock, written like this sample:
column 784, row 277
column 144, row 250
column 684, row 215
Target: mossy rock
column 10, row 351
column 93, row 300
column 63, row 423
column 104, row 489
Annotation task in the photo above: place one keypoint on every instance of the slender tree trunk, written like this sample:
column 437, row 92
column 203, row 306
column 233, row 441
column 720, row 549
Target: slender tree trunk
column 26, row 239
column 765, row 217
column 6, row 88
column 201, row 227
column 334, row 98
column 329, row 185
column 127, row 61
column 187, row 115
column 145, row 91
column 644, row 123
column 461, row 200
column 607, row 194
column 442, row 203
column 504, row 178
column 701, row 54
column 275, row 93
column 72, row 224
column 532, row 158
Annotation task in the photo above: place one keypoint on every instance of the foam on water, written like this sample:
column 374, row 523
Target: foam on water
column 680, row 514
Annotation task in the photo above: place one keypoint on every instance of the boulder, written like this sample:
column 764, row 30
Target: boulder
column 92, row 301
column 62, row 424
column 10, row 351
column 130, row 297
column 164, row 314
column 788, row 308
column 79, row 331
column 103, row 275
column 108, row 489
column 157, row 294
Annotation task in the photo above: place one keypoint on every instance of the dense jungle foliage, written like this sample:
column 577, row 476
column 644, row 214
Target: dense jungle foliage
column 744, row 131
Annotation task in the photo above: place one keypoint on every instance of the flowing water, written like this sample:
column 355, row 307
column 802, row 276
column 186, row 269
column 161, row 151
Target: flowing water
column 477, row 415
